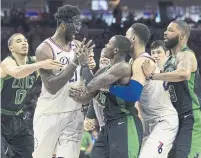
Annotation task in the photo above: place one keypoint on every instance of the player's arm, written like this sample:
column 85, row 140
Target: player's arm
column 183, row 71
column 2, row 73
column 10, row 67
column 133, row 90
column 51, row 82
column 107, row 78
column 80, row 94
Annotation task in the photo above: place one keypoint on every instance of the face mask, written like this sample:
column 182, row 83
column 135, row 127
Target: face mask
column 73, row 27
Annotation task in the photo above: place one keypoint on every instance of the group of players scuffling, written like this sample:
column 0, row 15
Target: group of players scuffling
column 147, row 108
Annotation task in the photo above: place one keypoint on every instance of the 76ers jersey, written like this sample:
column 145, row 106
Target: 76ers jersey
column 60, row 102
column 155, row 99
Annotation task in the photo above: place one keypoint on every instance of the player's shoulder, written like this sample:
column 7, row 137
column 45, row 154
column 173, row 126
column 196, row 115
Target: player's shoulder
column 188, row 53
column 43, row 51
column 2, row 72
column 140, row 60
column 7, row 61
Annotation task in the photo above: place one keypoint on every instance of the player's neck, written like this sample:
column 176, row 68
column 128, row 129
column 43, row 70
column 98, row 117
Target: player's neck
column 20, row 59
column 60, row 40
column 178, row 48
column 117, row 59
column 138, row 50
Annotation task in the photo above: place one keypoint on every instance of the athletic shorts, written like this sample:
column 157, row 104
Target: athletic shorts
column 16, row 139
column 159, row 135
column 188, row 141
column 120, row 138
column 58, row 133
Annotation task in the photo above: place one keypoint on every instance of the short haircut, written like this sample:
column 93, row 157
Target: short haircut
column 123, row 44
column 183, row 26
column 158, row 43
column 10, row 40
column 65, row 13
column 142, row 31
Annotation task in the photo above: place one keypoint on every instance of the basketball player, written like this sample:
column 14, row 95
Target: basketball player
column 58, row 120
column 95, row 110
column 159, row 53
column 18, row 76
column 182, row 75
column 122, row 134
column 159, row 117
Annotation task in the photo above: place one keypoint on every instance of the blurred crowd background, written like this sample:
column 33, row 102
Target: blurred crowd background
column 101, row 20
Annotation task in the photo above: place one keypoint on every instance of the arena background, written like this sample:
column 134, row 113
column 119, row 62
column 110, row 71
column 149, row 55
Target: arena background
column 101, row 20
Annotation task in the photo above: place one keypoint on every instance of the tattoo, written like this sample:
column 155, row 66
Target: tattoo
column 85, row 98
column 115, row 73
column 53, row 83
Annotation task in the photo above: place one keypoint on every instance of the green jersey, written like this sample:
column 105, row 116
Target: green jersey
column 185, row 95
column 14, row 91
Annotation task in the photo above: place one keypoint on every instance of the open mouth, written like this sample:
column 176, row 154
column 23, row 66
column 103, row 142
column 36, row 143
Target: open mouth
column 165, row 39
column 24, row 48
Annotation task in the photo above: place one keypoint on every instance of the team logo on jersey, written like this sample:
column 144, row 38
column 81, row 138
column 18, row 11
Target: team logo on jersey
column 64, row 60
column 160, row 149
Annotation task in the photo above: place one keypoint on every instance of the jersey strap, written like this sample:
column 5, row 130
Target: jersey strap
column 7, row 112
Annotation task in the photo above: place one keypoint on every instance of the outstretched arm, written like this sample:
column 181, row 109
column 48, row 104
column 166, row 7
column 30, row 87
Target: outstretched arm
column 132, row 92
column 10, row 67
column 79, row 93
column 102, row 79
column 107, row 78
column 183, row 72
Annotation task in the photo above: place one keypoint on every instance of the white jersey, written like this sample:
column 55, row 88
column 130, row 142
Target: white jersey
column 60, row 102
column 155, row 99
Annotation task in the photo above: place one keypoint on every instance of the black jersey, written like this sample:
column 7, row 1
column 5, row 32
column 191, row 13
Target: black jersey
column 115, row 107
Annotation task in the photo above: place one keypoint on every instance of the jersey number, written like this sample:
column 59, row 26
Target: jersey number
column 171, row 89
column 74, row 79
column 102, row 98
column 20, row 95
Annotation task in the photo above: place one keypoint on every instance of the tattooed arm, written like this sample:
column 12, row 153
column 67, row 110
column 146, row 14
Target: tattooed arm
column 51, row 82
column 116, row 72
column 79, row 94
column 186, row 63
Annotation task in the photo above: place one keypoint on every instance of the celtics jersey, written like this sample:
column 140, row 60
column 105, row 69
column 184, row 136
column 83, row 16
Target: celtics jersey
column 185, row 95
column 114, row 107
column 14, row 91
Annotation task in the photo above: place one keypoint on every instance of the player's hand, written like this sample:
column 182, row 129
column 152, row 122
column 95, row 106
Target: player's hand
column 75, row 92
column 92, row 63
column 148, row 68
column 83, row 52
column 89, row 124
column 50, row 64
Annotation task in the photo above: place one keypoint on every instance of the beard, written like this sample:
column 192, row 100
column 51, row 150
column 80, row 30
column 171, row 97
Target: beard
column 69, row 36
column 171, row 43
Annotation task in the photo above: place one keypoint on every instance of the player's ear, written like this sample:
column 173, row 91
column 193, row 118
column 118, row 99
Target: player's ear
column 182, row 36
column 63, row 25
column 11, row 49
column 133, row 39
column 116, row 50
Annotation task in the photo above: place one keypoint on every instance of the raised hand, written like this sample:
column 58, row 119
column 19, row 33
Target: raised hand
column 83, row 52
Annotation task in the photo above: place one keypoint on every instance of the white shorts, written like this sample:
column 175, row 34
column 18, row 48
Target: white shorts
column 159, row 135
column 58, row 133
